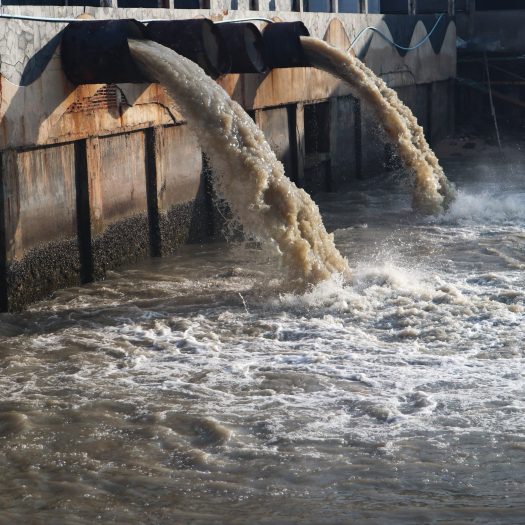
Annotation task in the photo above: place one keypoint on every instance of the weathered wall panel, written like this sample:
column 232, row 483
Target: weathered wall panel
column 118, row 200
column 182, row 203
column 343, row 157
column 276, row 128
column 40, row 232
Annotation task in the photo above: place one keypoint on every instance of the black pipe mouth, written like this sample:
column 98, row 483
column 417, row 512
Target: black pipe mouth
column 197, row 39
column 244, row 44
column 282, row 45
column 97, row 52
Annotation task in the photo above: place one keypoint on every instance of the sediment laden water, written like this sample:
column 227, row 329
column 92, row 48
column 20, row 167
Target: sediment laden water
column 432, row 191
column 183, row 390
column 247, row 173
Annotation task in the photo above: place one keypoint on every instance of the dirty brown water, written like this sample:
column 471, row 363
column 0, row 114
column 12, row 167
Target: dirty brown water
column 197, row 389
column 188, row 390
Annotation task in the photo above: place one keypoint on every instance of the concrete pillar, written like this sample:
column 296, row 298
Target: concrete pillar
column 299, row 140
column 343, row 159
column 117, row 200
column 451, row 7
column 38, row 222
column 451, row 98
column 317, row 137
column 412, row 7
column 440, row 111
column 178, row 207
column 363, row 6
column 83, row 212
column 373, row 141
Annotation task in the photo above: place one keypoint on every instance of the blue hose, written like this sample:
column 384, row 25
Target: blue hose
column 390, row 41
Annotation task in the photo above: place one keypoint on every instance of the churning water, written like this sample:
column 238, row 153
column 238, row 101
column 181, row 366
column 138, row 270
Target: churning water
column 198, row 389
column 189, row 390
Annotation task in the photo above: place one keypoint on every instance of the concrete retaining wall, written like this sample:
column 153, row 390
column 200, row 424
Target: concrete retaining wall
column 94, row 177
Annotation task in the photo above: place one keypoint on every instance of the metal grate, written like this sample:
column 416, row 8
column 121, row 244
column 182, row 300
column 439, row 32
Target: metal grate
column 105, row 97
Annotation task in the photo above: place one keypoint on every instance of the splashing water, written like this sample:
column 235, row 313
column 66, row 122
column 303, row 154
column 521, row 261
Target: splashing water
column 432, row 191
column 247, row 174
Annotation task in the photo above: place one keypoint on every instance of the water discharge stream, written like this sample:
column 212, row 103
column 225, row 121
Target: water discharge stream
column 432, row 191
column 251, row 179
column 247, row 173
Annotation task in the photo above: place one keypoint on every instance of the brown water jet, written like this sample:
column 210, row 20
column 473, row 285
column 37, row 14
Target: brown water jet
column 432, row 191
column 246, row 172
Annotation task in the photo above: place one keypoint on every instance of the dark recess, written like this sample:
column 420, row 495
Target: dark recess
column 83, row 213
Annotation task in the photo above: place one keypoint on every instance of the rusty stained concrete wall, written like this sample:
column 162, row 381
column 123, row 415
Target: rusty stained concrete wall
column 97, row 176
column 40, row 106
column 72, row 212
column 180, row 205
column 38, row 211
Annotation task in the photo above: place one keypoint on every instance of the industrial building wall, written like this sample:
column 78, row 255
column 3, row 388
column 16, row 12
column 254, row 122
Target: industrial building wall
column 97, row 176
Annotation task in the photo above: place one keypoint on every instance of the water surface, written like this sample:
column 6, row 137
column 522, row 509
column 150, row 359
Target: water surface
column 196, row 389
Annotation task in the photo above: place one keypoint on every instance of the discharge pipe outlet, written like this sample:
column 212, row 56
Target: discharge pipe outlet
column 197, row 39
column 97, row 52
column 282, row 44
column 244, row 44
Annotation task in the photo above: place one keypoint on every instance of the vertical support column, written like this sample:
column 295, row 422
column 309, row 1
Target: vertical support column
column 412, row 7
column 94, row 202
column 83, row 212
column 334, row 6
column 451, row 106
column 299, row 141
column 358, row 130
column 471, row 11
column 333, row 182
column 152, row 191
column 342, row 156
column 93, row 185
column 363, row 6
column 451, row 7
column 215, row 222
column 431, row 94
column 3, row 245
